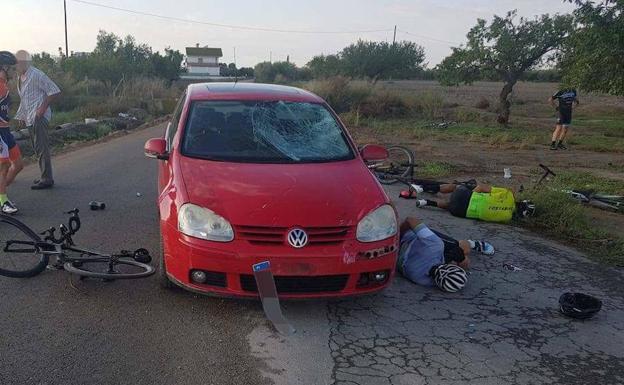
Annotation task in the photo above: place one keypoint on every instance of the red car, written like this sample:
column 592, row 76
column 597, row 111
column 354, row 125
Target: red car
column 253, row 172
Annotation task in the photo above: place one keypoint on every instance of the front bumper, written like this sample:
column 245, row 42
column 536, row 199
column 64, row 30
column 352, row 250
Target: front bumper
column 312, row 272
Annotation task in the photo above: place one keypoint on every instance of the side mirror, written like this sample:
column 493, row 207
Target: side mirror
column 156, row 148
column 373, row 152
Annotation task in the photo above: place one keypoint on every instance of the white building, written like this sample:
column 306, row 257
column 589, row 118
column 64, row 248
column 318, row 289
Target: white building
column 203, row 60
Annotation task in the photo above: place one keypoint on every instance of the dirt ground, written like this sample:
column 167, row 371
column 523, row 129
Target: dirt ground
column 485, row 160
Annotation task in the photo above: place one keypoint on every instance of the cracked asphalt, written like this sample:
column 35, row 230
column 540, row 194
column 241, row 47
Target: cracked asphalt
column 504, row 328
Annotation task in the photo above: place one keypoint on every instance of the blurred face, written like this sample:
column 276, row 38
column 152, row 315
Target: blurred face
column 3, row 75
column 22, row 67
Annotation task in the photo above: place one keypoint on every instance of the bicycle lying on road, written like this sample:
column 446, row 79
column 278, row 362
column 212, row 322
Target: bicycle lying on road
column 399, row 164
column 602, row 201
column 24, row 254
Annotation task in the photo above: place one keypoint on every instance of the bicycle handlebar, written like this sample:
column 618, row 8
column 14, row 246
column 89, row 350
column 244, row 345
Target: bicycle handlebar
column 66, row 231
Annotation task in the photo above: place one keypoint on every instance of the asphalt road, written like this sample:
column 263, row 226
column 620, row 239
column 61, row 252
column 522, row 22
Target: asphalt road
column 504, row 328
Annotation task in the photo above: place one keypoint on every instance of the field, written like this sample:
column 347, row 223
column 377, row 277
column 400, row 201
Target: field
column 472, row 144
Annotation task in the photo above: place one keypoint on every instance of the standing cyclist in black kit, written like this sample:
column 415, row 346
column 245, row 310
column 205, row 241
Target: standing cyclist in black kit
column 566, row 97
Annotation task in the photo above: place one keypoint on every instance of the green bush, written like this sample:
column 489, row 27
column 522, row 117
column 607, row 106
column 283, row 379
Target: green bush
column 384, row 104
column 339, row 93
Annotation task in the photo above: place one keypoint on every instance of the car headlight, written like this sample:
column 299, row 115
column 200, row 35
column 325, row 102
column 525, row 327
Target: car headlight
column 199, row 222
column 380, row 224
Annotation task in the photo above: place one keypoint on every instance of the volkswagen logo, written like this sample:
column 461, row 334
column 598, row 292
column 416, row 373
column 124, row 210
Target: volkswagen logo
column 297, row 238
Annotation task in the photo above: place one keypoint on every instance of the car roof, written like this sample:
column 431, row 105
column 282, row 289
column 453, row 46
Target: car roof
column 249, row 91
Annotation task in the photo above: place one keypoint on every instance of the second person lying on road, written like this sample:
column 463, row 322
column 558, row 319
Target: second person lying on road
column 476, row 201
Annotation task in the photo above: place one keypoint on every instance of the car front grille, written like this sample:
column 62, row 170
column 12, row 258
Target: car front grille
column 277, row 235
column 300, row 285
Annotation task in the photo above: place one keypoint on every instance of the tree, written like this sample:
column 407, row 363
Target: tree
column 593, row 57
column 115, row 58
column 246, row 72
column 380, row 60
column 325, row 66
column 505, row 49
column 279, row 72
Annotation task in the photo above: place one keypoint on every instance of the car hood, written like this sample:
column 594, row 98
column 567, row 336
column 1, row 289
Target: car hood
column 283, row 195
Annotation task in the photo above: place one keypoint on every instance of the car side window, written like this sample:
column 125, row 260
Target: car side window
column 175, row 120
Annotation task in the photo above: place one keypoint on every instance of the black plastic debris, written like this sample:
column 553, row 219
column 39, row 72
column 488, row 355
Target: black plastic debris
column 579, row 305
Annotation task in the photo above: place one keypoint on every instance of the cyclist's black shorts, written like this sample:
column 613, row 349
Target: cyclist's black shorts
column 452, row 251
column 565, row 117
column 460, row 199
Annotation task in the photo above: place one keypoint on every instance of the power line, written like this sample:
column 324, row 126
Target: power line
column 231, row 26
column 430, row 38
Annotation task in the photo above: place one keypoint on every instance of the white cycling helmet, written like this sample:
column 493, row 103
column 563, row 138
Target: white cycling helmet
column 449, row 278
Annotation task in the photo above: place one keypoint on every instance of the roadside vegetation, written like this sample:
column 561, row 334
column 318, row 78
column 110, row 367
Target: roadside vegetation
column 425, row 109
column 119, row 75
column 589, row 229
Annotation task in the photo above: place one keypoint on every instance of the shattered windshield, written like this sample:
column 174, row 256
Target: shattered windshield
column 264, row 132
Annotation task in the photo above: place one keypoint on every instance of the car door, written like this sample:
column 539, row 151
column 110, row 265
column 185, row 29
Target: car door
column 164, row 170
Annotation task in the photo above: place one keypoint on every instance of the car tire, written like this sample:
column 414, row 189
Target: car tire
column 163, row 280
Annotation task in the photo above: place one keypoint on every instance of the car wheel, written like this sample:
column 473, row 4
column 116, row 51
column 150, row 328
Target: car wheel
column 163, row 280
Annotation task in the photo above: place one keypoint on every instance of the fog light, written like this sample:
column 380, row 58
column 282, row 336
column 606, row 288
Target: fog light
column 379, row 277
column 373, row 279
column 198, row 276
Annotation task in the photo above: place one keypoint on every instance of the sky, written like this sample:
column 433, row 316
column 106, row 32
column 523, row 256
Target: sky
column 37, row 25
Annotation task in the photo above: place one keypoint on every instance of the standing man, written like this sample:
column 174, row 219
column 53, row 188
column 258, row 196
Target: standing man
column 566, row 98
column 36, row 92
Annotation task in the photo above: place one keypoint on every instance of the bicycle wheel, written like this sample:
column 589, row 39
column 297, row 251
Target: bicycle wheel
column 99, row 268
column 400, row 164
column 19, row 255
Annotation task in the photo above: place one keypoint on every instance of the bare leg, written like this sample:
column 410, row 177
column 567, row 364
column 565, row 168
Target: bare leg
column 441, row 203
column 409, row 223
column 4, row 169
column 447, row 188
column 564, row 133
column 465, row 246
column 557, row 132
column 483, row 188
column 16, row 167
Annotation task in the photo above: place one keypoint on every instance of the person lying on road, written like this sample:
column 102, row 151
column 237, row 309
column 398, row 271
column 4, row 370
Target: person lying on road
column 476, row 201
column 430, row 258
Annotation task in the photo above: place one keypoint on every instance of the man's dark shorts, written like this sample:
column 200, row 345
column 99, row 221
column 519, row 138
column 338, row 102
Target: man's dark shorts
column 459, row 201
column 452, row 251
column 565, row 117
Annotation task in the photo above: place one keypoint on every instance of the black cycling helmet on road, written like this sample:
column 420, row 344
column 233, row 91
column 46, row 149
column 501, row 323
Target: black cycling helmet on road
column 7, row 58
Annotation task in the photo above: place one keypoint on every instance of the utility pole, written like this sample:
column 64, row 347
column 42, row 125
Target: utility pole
column 394, row 37
column 271, row 57
column 65, row 12
column 235, row 58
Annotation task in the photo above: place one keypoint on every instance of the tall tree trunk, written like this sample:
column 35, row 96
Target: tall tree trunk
column 504, row 103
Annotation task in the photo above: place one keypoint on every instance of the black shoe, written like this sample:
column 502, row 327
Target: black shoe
column 9, row 208
column 42, row 185
column 553, row 146
column 561, row 146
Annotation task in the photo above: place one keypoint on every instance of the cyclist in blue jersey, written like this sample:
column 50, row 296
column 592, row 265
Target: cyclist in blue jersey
column 566, row 98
